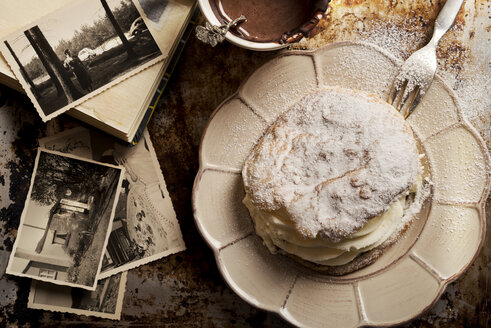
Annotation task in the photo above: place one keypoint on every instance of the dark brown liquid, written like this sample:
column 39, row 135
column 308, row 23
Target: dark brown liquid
column 267, row 20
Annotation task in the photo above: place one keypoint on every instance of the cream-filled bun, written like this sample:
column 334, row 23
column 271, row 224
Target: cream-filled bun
column 331, row 178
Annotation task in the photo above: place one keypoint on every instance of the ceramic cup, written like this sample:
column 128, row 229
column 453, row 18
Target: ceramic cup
column 320, row 8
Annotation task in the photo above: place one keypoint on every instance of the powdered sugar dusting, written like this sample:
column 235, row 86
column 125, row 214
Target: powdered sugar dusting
column 401, row 28
column 390, row 36
column 467, row 69
column 335, row 160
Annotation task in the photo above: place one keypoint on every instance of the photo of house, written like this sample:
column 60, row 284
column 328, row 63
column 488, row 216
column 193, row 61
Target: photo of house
column 61, row 237
column 66, row 220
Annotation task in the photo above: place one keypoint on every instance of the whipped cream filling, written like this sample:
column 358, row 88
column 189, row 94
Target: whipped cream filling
column 279, row 234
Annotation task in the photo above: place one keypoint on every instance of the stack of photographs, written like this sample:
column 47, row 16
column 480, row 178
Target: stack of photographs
column 96, row 208
column 101, row 61
column 78, row 51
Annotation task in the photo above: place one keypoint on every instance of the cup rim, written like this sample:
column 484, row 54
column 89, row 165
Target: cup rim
column 251, row 45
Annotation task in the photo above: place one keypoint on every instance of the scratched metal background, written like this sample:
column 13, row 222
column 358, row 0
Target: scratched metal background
column 186, row 290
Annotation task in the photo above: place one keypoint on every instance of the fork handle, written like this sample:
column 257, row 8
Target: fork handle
column 445, row 18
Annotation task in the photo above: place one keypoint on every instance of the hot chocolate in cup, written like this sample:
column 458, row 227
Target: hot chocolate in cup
column 270, row 24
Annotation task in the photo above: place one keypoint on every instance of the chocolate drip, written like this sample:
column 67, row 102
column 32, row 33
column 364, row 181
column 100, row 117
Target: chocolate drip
column 282, row 21
column 320, row 7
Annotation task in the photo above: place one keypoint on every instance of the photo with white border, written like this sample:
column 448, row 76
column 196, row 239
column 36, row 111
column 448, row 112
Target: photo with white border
column 80, row 50
column 66, row 221
column 145, row 227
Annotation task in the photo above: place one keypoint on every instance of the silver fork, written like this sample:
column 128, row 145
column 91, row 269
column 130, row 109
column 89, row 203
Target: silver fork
column 419, row 69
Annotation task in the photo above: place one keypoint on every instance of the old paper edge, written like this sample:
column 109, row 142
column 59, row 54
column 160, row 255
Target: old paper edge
column 113, row 316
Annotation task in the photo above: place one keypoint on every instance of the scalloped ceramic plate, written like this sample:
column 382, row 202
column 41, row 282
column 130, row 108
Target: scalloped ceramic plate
column 411, row 275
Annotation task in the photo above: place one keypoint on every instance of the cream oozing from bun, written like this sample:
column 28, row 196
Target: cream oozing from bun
column 329, row 178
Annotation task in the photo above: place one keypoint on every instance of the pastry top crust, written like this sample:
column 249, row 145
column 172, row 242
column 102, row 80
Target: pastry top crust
column 333, row 161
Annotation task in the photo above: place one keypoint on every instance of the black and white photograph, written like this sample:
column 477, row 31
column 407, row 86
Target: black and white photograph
column 66, row 220
column 106, row 301
column 155, row 12
column 79, row 51
column 145, row 226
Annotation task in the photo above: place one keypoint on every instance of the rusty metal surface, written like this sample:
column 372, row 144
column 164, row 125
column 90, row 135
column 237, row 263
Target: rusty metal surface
column 186, row 289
